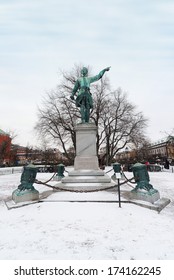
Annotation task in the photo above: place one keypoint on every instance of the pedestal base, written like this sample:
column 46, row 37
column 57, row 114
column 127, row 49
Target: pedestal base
column 86, row 175
column 150, row 196
column 86, row 180
column 26, row 195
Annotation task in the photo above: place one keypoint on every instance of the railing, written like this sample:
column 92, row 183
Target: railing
column 11, row 170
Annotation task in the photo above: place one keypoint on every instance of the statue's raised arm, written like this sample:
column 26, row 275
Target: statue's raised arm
column 82, row 89
column 99, row 76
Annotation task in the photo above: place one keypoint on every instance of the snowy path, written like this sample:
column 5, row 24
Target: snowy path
column 78, row 231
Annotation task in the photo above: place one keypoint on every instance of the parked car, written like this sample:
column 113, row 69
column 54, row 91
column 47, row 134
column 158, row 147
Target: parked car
column 154, row 168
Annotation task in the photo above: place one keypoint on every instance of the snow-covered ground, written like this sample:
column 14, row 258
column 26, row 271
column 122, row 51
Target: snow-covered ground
column 86, row 230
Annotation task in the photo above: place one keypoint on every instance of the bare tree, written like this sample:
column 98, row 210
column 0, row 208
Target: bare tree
column 120, row 124
column 117, row 120
column 57, row 120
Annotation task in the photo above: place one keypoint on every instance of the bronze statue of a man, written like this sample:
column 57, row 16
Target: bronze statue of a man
column 82, row 88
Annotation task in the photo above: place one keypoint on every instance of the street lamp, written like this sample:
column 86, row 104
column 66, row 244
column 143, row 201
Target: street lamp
column 127, row 151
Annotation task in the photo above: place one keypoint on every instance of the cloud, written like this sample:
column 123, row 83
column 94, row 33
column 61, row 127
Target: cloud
column 38, row 37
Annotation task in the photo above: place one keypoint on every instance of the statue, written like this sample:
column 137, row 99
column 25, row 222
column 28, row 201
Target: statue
column 84, row 98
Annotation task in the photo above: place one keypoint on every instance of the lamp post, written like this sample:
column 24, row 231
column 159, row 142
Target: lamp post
column 126, row 152
column 117, row 175
column 107, row 145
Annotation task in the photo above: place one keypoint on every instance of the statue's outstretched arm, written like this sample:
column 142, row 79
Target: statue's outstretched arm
column 107, row 68
column 103, row 71
column 100, row 75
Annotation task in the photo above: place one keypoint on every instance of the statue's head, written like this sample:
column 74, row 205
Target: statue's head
column 84, row 71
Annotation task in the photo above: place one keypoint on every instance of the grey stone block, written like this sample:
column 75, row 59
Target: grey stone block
column 26, row 195
column 145, row 195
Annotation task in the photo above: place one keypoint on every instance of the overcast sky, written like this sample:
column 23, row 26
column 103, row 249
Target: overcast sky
column 39, row 37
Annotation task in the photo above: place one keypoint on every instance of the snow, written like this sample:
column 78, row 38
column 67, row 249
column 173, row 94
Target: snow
column 60, row 230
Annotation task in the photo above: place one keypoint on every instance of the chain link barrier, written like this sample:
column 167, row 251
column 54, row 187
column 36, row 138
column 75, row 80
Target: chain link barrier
column 129, row 180
column 83, row 191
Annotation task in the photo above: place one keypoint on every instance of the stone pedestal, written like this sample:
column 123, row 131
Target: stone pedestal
column 25, row 195
column 86, row 175
column 150, row 196
column 86, row 155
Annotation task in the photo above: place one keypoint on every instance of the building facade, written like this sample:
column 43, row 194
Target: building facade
column 5, row 147
column 163, row 149
column 157, row 152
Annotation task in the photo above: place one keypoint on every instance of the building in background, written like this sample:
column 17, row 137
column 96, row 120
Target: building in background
column 162, row 150
column 158, row 152
column 5, row 148
column 24, row 155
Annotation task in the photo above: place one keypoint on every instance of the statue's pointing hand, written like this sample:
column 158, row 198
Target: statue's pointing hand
column 108, row 68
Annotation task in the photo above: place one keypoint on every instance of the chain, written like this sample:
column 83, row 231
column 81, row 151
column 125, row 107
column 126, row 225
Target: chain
column 129, row 180
column 108, row 171
column 47, row 180
column 70, row 190
column 84, row 191
column 79, row 191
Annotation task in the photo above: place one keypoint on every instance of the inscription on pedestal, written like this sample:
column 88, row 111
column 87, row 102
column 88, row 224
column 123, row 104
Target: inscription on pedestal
column 86, row 155
column 90, row 163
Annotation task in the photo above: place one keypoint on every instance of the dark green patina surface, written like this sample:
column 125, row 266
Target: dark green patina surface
column 82, row 88
column 60, row 170
column 28, row 177
column 142, row 178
